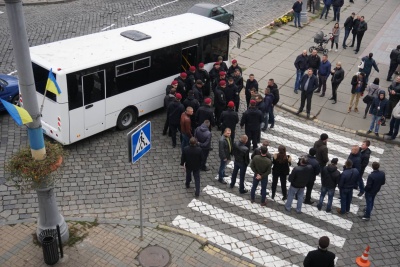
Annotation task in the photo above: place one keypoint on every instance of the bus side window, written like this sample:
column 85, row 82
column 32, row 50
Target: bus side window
column 74, row 91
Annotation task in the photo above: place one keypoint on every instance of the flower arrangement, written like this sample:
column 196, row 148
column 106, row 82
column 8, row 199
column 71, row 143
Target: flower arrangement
column 282, row 20
column 26, row 173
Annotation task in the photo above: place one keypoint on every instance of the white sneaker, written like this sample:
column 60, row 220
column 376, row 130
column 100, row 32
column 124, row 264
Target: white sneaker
column 335, row 50
column 329, row 50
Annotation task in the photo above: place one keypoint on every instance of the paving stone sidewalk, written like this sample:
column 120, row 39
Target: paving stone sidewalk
column 271, row 53
column 111, row 245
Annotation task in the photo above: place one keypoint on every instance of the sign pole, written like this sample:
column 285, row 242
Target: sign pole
column 140, row 200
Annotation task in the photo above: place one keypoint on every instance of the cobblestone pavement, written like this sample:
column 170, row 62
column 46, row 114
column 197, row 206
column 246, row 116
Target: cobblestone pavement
column 49, row 23
column 99, row 183
column 110, row 245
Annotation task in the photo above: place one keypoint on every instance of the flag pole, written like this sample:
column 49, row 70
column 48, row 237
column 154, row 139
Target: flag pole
column 41, row 106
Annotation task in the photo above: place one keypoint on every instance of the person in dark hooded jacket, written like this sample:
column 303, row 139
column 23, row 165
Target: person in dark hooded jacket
column 378, row 110
column 330, row 177
column 322, row 150
column 275, row 92
column 203, row 136
column 231, row 91
column 268, row 103
column 229, row 119
column 167, row 100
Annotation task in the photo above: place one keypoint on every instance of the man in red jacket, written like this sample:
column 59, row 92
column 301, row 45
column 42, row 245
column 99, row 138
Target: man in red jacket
column 186, row 127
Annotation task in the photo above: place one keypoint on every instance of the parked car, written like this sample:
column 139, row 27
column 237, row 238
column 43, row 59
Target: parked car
column 9, row 90
column 214, row 12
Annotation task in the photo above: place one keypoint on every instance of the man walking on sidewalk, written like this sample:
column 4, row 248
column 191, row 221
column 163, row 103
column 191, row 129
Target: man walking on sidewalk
column 337, row 78
column 374, row 183
column 337, row 4
column 327, row 6
column 323, row 74
column 297, row 8
column 394, row 62
column 348, row 25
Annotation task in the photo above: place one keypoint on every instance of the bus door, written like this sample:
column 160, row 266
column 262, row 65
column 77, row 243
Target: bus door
column 94, row 92
column 189, row 57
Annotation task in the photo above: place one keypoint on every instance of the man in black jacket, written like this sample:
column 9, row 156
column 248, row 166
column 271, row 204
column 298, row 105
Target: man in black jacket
column 308, row 84
column 330, row 176
column 321, row 256
column 298, row 179
column 337, row 78
column 362, row 28
column 167, row 100
column 182, row 89
column 252, row 119
column 394, row 62
column 205, row 112
column 316, row 168
column 365, row 154
column 202, row 74
column 229, row 119
column 225, row 147
column 314, row 61
column 203, row 136
column 191, row 160
column 275, row 92
column 374, row 183
column 348, row 180
column 234, row 67
column 219, row 102
column 242, row 160
column 231, row 91
column 301, row 65
column 175, row 110
column 356, row 24
column 250, row 84
column 322, row 150
column 198, row 90
column 348, row 25
column 337, row 4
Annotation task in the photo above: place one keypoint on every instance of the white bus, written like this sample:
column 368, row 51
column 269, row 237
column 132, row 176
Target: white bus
column 109, row 80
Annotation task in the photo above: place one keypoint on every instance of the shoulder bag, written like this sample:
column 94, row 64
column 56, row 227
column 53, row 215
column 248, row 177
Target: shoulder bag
column 369, row 98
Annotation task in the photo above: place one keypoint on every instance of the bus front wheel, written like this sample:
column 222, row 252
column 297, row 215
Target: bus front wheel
column 126, row 118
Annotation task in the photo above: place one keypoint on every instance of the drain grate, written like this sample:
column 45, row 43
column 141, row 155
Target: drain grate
column 154, row 256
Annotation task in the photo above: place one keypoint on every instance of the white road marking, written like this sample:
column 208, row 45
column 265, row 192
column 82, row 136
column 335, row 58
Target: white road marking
column 230, row 3
column 311, row 139
column 1, row 12
column 112, row 25
column 306, row 209
column 154, row 8
column 13, row 72
column 227, row 242
column 301, row 147
column 331, row 135
column 273, row 215
column 251, row 227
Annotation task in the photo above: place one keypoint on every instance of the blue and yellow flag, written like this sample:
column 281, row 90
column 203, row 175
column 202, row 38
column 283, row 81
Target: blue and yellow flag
column 20, row 115
column 52, row 85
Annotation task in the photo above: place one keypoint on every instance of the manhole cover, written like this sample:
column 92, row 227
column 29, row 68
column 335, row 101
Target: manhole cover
column 154, row 256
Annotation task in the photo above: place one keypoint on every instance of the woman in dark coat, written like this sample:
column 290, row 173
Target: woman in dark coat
column 280, row 169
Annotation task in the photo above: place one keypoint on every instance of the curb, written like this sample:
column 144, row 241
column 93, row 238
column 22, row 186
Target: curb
column 203, row 241
column 294, row 111
column 381, row 137
column 40, row 2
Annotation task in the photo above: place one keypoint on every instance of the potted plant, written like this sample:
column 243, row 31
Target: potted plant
column 26, row 174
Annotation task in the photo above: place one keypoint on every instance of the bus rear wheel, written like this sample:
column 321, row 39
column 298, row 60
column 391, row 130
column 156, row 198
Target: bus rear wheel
column 126, row 118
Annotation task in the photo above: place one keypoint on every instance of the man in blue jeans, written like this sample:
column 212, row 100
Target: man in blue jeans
column 301, row 64
column 374, row 183
column 224, row 152
column 348, row 26
column 336, row 5
column 327, row 6
column 298, row 179
column 348, row 180
column 242, row 160
column 261, row 166
column 297, row 8
column 329, row 178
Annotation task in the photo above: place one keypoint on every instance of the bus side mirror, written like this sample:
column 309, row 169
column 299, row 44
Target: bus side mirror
column 239, row 42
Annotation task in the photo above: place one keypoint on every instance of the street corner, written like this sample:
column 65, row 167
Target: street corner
column 381, row 137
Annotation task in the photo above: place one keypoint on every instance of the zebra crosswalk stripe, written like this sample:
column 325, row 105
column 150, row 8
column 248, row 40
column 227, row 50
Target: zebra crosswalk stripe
column 273, row 215
column 331, row 135
column 230, row 243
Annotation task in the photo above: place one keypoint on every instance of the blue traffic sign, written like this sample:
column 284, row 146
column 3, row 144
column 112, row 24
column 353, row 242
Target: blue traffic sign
column 141, row 141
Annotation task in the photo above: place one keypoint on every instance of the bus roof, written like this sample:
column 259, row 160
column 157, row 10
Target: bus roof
column 99, row 48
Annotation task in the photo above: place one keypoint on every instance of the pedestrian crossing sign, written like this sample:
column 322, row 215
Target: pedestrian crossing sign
column 140, row 141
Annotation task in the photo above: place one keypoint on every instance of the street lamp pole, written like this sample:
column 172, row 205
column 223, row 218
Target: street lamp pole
column 49, row 215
